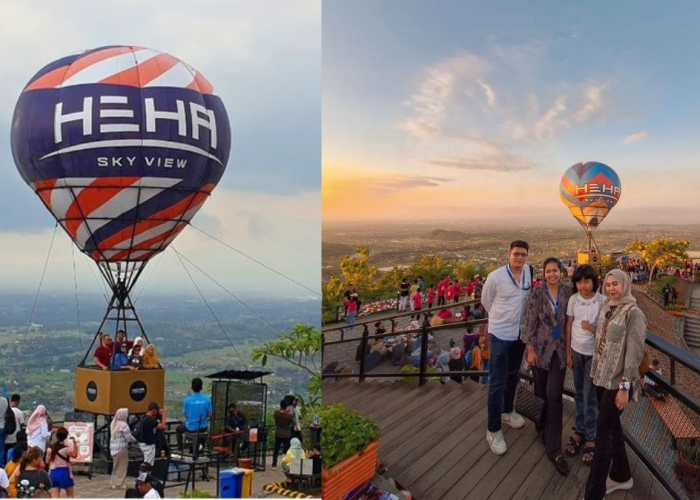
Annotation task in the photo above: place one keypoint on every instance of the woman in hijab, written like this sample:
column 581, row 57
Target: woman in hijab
column 38, row 429
column 443, row 361
column 120, row 437
column 620, row 334
column 150, row 358
column 137, row 341
column 295, row 451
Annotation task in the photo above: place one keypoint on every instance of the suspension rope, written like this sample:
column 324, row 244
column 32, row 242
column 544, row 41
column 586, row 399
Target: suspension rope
column 77, row 303
column 257, row 261
column 143, row 287
column 41, row 281
column 225, row 289
column 210, row 309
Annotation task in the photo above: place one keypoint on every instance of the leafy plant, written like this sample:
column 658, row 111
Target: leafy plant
column 691, row 452
column 299, row 347
column 345, row 433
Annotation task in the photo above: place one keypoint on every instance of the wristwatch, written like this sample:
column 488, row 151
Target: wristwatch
column 624, row 385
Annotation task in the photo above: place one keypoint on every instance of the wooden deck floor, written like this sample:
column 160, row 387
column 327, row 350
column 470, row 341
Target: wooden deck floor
column 433, row 439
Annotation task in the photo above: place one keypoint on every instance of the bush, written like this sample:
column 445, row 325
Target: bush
column 345, row 433
column 690, row 451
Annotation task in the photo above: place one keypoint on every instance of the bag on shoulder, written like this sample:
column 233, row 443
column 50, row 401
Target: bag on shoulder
column 138, row 430
column 10, row 420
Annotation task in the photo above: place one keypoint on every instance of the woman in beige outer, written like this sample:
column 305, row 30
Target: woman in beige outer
column 620, row 334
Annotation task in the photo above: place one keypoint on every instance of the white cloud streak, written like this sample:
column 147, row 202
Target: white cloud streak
column 630, row 139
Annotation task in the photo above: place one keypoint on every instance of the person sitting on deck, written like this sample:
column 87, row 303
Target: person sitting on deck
column 314, row 454
column 103, row 354
column 444, row 317
column 652, row 387
column 456, row 364
column 236, row 424
column 150, row 358
column 295, row 451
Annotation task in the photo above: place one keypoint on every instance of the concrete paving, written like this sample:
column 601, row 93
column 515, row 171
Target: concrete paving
column 99, row 485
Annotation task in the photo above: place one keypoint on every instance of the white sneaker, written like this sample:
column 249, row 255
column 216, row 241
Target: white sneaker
column 611, row 485
column 513, row 419
column 497, row 442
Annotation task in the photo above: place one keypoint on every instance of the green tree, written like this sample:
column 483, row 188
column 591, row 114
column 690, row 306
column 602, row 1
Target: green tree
column 299, row 347
column 662, row 252
column 355, row 269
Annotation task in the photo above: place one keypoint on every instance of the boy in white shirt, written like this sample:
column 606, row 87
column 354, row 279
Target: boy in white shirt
column 582, row 315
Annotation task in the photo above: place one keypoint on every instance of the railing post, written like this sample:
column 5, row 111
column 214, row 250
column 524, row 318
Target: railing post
column 423, row 354
column 365, row 334
column 673, row 370
column 393, row 325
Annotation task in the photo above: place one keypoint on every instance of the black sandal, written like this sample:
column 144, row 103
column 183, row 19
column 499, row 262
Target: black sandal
column 588, row 450
column 576, row 445
column 562, row 465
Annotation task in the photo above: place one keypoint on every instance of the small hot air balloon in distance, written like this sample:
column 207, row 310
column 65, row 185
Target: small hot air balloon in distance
column 590, row 190
column 123, row 145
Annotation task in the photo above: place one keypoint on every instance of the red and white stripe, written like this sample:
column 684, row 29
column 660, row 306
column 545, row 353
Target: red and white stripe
column 129, row 66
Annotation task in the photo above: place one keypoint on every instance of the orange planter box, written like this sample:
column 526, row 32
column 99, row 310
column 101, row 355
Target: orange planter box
column 352, row 472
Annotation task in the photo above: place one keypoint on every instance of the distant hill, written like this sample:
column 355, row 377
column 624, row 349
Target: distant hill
column 444, row 235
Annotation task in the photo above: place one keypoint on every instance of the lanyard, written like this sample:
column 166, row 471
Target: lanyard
column 522, row 278
column 554, row 304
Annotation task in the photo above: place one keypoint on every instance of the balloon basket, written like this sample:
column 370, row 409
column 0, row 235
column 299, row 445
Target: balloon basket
column 103, row 392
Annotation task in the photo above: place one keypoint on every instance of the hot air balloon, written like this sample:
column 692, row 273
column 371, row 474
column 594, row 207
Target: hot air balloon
column 123, row 145
column 590, row 190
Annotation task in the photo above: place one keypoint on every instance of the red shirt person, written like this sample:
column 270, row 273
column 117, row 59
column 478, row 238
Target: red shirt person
column 103, row 354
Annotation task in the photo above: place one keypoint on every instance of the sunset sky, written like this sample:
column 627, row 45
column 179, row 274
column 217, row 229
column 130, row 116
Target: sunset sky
column 474, row 109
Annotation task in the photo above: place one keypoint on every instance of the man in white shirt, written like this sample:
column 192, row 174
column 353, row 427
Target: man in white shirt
column 11, row 440
column 145, row 486
column 504, row 296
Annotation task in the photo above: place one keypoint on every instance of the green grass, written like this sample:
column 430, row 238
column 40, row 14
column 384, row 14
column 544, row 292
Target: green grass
column 659, row 284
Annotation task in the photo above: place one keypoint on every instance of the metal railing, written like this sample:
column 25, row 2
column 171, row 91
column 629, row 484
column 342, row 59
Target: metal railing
column 423, row 374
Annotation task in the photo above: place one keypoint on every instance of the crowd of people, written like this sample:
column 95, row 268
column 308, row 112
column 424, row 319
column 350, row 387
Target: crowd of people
column 123, row 354
column 289, row 438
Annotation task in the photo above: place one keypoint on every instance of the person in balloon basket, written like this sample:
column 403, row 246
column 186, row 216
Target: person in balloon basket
column 620, row 334
column 504, row 296
column 103, row 354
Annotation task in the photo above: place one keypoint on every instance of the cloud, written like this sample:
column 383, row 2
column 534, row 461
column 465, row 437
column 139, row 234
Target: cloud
column 488, row 91
column 436, row 91
column 402, row 183
column 635, row 137
column 587, row 102
column 494, row 163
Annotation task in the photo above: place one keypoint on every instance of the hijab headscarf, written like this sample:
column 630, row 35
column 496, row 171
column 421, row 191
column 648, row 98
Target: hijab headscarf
column 119, row 422
column 150, row 358
column 136, row 342
column 37, row 419
column 295, row 451
column 626, row 297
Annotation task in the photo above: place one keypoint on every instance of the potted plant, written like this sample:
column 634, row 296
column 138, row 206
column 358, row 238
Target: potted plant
column 349, row 443
column 688, row 466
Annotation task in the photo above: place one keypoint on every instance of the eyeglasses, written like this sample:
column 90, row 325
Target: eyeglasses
column 519, row 254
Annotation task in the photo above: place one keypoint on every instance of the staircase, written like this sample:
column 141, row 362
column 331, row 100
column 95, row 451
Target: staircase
column 691, row 329
column 694, row 298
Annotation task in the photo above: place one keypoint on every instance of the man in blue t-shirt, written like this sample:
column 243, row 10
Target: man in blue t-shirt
column 197, row 410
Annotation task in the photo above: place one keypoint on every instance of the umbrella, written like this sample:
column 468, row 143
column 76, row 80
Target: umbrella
column 624, row 258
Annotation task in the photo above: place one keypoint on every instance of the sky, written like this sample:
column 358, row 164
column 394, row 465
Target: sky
column 264, row 60
column 470, row 110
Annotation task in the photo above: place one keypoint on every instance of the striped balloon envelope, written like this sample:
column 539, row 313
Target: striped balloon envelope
column 123, row 145
column 590, row 190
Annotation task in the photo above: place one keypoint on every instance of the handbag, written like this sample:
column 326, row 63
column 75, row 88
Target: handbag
column 527, row 403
